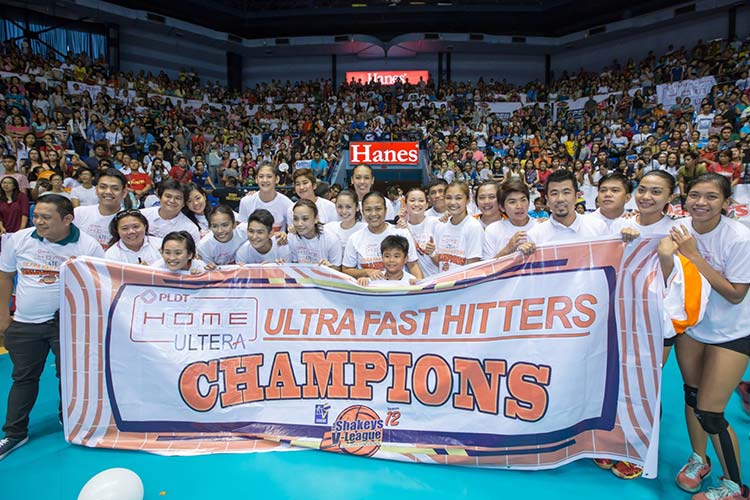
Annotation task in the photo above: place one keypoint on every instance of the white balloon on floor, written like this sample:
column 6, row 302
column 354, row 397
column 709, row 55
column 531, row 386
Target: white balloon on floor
column 113, row 484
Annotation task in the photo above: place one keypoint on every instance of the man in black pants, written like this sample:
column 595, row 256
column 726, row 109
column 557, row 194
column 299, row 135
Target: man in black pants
column 35, row 254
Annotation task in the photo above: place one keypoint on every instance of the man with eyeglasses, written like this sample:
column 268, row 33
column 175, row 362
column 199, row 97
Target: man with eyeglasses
column 35, row 255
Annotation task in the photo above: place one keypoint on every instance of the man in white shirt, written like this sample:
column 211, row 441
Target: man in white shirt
column 565, row 223
column 94, row 220
column 613, row 193
column 35, row 254
column 114, row 137
column 704, row 120
column 436, row 197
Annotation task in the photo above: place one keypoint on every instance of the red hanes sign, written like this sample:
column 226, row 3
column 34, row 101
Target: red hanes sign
column 384, row 153
column 387, row 77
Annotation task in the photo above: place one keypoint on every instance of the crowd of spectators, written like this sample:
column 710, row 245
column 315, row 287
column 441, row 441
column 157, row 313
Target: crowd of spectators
column 48, row 130
column 629, row 131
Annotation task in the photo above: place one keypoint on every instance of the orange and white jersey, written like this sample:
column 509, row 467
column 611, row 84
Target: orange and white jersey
column 685, row 296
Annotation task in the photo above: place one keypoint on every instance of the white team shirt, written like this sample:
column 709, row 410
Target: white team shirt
column 457, row 243
column 405, row 280
column 343, row 234
column 583, row 228
column 279, row 207
column 37, row 262
column 422, row 233
column 91, row 221
column 499, row 233
column 325, row 246
column 659, row 229
column 149, row 252
column 249, row 255
column 726, row 249
column 431, row 212
column 203, row 228
column 212, row 250
column 611, row 224
column 84, row 196
column 363, row 248
column 162, row 227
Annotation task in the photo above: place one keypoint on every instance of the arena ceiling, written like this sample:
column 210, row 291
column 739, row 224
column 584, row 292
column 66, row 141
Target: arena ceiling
column 389, row 18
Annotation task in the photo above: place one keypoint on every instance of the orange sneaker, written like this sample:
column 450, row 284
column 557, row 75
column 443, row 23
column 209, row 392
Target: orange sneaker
column 626, row 470
column 693, row 473
column 727, row 490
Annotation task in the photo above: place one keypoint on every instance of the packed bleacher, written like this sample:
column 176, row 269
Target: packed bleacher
column 72, row 105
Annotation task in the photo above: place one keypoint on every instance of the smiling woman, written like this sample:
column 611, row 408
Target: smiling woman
column 130, row 239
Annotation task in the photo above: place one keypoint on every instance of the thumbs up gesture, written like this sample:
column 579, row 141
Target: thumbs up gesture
column 429, row 248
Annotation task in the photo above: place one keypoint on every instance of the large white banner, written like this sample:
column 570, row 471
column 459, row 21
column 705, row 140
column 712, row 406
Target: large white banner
column 696, row 90
column 508, row 363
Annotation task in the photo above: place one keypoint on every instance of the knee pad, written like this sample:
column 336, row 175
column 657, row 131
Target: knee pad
column 715, row 423
column 691, row 395
column 711, row 421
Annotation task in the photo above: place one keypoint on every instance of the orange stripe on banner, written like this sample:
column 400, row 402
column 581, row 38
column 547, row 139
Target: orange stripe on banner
column 626, row 381
column 87, row 343
column 624, row 344
column 647, row 316
column 74, row 360
column 634, row 253
column 452, row 339
column 637, row 349
column 100, row 358
column 693, row 285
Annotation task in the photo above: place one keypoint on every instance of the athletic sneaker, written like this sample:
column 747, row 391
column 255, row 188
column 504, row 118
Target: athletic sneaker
column 743, row 389
column 693, row 473
column 626, row 470
column 727, row 490
column 7, row 445
column 604, row 463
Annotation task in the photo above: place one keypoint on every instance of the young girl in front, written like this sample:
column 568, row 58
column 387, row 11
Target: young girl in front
column 310, row 244
column 347, row 208
column 713, row 354
column 221, row 244
column 459, row 241
column 178, row 254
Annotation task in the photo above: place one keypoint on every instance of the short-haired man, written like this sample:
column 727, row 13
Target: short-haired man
column 565, row 223
column 436, row 197
column 111, row 189
column 35, row 254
